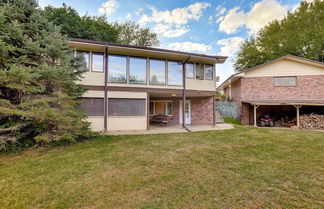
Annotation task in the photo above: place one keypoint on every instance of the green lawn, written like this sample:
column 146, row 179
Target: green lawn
column 238, row 168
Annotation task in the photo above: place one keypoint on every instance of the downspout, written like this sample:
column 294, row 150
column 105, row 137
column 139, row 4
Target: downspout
column 106, row 89
column 184, row 93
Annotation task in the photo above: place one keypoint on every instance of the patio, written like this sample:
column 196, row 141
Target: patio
column 155, row 129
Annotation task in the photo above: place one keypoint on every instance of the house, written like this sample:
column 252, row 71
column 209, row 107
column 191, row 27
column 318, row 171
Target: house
column 132, row 87
column 285, row 87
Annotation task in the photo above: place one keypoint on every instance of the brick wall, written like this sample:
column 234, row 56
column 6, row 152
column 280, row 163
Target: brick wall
column 202, row 111
column 236, row 91
column 261, row 88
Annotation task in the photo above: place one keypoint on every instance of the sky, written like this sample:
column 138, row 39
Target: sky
column 213, row 27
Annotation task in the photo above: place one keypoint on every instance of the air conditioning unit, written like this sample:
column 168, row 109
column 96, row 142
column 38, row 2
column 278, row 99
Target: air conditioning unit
column 217, row 78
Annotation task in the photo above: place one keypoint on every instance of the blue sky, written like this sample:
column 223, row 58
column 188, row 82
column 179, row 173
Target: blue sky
column 215, row 27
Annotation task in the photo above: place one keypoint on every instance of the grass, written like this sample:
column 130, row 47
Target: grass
column 239, row 168
column 232, row 121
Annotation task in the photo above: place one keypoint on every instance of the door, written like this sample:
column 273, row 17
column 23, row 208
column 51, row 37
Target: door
column 187, row 112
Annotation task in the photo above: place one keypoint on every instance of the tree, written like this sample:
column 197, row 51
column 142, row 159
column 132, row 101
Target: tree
column 86, row 27
column 131, row 33
column 300, row 33
column 37, row 80
column 98, row 28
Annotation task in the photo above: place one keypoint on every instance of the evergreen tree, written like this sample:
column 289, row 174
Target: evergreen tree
column 37, row 80
column 300, row 33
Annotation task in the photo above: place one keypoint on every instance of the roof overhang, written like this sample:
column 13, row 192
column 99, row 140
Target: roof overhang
column 143, row 51
column 285, row 102
column 229, row 81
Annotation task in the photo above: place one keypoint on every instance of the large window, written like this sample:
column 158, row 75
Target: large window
column 190, row 70
column 117, row 69
column 97, row 62
column 137, row 70
column 157, row 72
column 285, row 81
column 161, row 107
column 175, row 73
column 126, row 107
column 85, row 63
column 93, row 106
column 199, row 71
column 209, row 72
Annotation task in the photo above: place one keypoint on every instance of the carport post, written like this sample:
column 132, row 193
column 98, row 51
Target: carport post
column 297, row 109
column 255, row 110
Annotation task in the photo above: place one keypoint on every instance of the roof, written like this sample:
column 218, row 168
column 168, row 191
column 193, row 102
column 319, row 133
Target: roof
column 289, row 57
column 319, row 102
column 219, row 58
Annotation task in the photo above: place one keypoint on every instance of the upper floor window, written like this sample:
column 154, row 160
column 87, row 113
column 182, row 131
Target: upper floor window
column 190, row 70
column 117, row 69
column 285, row 81
column 85, row 63
column 209, row 72
column 199, row 71
column 175, row 73
column 157, row 72
column 137, row 70
column 97, row 62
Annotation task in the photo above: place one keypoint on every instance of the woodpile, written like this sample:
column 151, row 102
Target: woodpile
column 307, row 121
column 285, row 122
column 311, row 121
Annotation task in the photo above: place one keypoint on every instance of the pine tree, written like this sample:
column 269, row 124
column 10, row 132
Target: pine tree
column 38, row 90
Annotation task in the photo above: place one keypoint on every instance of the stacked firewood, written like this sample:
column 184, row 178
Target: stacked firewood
column 307, row 121
column 311, row 121
column 285, row 122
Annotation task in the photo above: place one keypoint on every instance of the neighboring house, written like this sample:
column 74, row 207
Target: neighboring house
column 283, row 87
column 130, row 85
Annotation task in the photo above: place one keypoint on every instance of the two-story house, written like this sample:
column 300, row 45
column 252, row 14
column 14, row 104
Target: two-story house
column 285, row 87
column 129, row 85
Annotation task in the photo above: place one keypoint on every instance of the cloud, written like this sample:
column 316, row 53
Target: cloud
column 170, row 31
column 108, row 7
column 173, row 23
column 259, row 15
column 189, row 46
column 219, row 11
column 230, row 45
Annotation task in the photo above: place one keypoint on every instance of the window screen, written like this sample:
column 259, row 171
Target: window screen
column 93, row 106
column 209, row 72
column 85, row 62
column 126, row 107
column 285, row 81
column 199, row 71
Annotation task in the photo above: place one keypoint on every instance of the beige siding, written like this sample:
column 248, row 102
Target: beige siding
column 94, row 94
column 93, row 79
column 285, row 68
column 127, row 123
column 97, row 122
column 116, row 123
column 202, row 85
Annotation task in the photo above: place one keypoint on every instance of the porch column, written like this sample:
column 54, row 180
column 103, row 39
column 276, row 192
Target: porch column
column 184, row 91
column 297, row 113
column 148, row 111
column 106, row 90
column 214, row 111
column 255, row 107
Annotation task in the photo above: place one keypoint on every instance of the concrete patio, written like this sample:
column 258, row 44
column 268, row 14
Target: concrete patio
column 154, row 129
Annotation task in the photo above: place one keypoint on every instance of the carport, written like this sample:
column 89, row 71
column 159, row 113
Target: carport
column 297, row 104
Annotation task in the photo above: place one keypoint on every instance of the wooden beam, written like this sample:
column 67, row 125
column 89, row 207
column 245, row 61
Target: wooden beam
column 297, row 114
column 255, row 107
